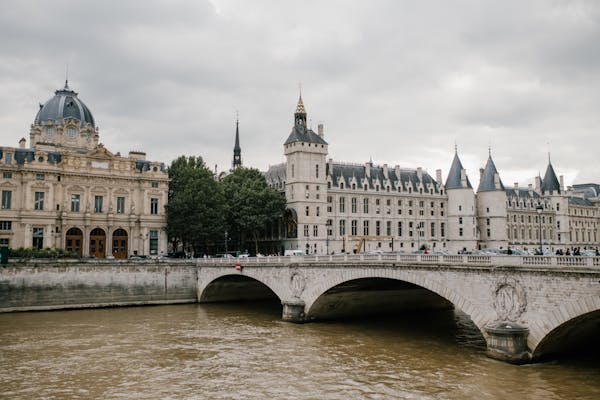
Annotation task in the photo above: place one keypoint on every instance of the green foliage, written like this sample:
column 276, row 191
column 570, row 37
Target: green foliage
column 34, row 252
column 196, row 207
column 251, row 203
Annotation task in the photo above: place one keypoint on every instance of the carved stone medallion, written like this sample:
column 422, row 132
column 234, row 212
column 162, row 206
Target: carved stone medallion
column 510, row 300
column 298, row 283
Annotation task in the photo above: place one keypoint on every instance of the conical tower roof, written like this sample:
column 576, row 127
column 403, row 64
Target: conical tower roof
column 454, row 180
column 550, row 181
column 487, row 182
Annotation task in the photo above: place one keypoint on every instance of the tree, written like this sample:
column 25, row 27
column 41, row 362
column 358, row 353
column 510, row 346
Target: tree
column 251, row 204
column 196, row 207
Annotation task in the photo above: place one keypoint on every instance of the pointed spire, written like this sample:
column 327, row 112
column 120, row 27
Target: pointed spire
column 300, row 114
column 237, row 150
column 455, row 176
column 550, row 182
column 488, row 179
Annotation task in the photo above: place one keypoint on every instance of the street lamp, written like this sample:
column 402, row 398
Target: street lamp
column 539, row 209
column 225, row 243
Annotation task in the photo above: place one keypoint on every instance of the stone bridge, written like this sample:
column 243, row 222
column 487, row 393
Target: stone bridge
column 526, row 307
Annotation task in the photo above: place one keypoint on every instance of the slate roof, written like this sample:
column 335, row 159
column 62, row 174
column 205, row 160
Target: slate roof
column 578, row 201
column 550, row 181
column 275, row 175
column 487, row 180
column 65, row 104
column 454, row 181
column 522, row 193
column 405, row 178
column 302, row 134
column 588, row 189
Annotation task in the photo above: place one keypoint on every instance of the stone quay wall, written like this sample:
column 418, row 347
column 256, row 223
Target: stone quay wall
column 51, row 285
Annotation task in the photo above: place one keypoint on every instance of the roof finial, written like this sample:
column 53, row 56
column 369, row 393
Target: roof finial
column 67, row 77
column 455, row 148
column 490, row 150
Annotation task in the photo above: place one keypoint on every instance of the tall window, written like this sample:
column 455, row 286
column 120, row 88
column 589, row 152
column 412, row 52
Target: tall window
column 329, row 227
column 153, row 242
column 354, row 227
column 366, row 206
column 38, row 201
column 120, row 205
column 433, row 229
column 365, row 227
column 388, row 228
column 38, row 238
column 75, row 201
column 442, row 229
column 342, row 227
column 317, row 171
column 315, row 230
column 6, row 199
column 153, row 206
column 378, row 228
column 5, row 225
column 306, row 228
column 354, row 204
column 98, row 204
column 342, row 204
column 399, row 228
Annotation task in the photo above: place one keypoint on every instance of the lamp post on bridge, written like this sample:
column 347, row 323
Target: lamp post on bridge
column 539, row 209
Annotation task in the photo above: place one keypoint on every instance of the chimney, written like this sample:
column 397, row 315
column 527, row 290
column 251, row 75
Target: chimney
column 438, row 176
column 480, row 174
column 22, row 143
column 496, row 181
column 562, row 183
column 530, row 188
column 463, row 178
column 420, row 173
column 320, row 130
column 538, row 184
column 330, row 164
column 517, row 185
column 385, row 171
column 368, row 169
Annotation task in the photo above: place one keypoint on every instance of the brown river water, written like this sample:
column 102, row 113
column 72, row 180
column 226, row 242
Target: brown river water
column 244, row 351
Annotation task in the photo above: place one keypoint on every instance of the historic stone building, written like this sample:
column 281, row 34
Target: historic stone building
column 340, row 207
column 66, row 190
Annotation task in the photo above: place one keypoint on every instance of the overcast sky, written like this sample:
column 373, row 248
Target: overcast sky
column 397, row 81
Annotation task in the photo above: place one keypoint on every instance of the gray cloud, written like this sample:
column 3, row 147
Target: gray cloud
column 397, row 81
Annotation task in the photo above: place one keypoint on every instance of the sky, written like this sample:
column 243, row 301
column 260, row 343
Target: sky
column 399, row 82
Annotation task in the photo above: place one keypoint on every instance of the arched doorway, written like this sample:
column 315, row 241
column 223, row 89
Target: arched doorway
column 74, row 241
column 98, row 243
column 119, row 248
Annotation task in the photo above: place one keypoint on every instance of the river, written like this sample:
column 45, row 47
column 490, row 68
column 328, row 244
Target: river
column 244, row 351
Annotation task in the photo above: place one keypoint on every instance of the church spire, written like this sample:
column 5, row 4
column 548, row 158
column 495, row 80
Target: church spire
column 237, row 150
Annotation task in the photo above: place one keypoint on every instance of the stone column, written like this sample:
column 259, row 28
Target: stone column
column 507, row 341
column 293, row 311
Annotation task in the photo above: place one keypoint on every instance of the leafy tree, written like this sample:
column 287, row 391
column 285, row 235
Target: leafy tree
column 196, row 207
column 251, row 204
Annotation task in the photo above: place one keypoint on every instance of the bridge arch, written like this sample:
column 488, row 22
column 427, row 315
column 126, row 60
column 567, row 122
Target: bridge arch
column 438, row 288
column 231, row 285
column 574, row 321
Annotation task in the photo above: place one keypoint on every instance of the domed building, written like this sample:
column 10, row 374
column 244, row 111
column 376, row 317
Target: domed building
column 66, row 190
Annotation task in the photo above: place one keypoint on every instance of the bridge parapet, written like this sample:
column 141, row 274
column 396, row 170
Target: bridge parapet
column 554, row 262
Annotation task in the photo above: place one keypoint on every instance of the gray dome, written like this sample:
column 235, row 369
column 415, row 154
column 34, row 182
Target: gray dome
column 64, row 104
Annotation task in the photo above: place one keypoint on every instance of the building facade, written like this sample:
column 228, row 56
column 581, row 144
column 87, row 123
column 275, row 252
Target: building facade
column 335, row 207
column 66, row 190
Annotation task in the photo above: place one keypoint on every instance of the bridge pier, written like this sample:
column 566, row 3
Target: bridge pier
column 293, row 311
column 507, row 342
